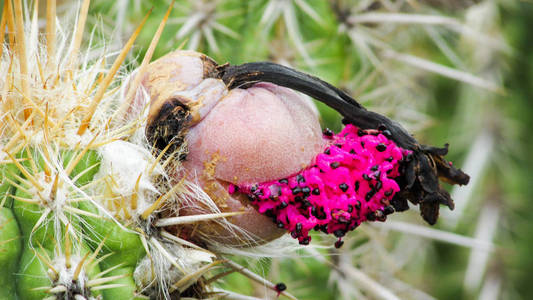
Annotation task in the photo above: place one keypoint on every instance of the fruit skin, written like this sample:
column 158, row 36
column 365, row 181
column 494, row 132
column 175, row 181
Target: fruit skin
column 10, row 250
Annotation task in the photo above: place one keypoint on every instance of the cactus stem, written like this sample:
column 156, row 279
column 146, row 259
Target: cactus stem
column 109, row 77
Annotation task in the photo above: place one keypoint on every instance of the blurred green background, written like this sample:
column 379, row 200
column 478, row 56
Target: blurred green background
column 451, row 71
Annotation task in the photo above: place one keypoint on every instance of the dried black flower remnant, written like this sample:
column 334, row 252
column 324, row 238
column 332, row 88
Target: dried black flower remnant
column 419, row 172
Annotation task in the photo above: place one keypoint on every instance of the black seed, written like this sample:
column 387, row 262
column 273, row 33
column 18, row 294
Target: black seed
column 280, row 225
column 378, row 185
column 374, row 168
column 371, row 216
column 366, row 177
column 387, row 133
column 300, row 178
column 388, row 210
column 280, row 287
column 369, row 195
column 343, row 187
column 298, row 198
column 253, row 189
column 357, row 184
column 381, row 216
column 377, row 174
column 388, row 193
column 338, row 145
column 389, row 159
column 284, row 181
column 352, row 151
column 335, row 165
column 305, row 241
column 361, row 132
column 296, row 190
column 339, row 233
column 339, row 244
column 298, row 227
column 382, row 127
column 316, row 228
column 313, row 211
column 363, row 144
column 350, row 208
column 269, row 213
column 327, row 151
column 324, row 228
column 306, row 203
column 316, row 191
column 358, row 204
column 283, row 204
column 381, row 147
column 328, row 132
column 306, row 190
column 294, row 234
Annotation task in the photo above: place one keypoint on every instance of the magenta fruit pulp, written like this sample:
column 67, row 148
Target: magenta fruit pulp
column 350, row 182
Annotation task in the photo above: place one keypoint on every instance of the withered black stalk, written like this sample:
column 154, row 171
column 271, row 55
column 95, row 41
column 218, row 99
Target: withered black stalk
column 421, row 170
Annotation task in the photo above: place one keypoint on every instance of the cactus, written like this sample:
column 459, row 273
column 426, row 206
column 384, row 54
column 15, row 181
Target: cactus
column 94, row 200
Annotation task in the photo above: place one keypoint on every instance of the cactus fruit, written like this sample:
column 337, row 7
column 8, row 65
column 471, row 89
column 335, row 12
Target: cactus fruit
column 123, row 188
column 260, row 142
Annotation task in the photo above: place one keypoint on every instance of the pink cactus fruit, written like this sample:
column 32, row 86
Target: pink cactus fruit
column 261, row 150
column 350, row 182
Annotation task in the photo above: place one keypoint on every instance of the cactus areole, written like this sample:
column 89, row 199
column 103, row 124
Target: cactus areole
column 259, row 145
